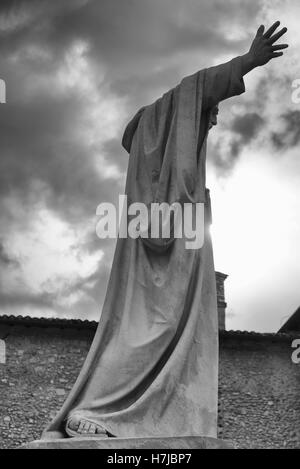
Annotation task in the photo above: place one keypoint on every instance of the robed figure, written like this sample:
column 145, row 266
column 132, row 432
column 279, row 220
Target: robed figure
column 152, row 369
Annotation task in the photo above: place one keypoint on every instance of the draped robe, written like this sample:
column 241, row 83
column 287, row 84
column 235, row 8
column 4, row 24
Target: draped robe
column 152, row 369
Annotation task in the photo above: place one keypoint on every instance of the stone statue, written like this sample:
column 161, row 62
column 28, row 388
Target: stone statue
column 152, row 369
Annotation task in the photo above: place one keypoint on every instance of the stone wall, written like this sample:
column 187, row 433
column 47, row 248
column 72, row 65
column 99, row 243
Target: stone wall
column 41, row 366
column 259, row 390
column 259, row 384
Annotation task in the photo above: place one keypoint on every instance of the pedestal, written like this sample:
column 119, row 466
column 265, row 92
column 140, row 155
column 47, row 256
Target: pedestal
column 185, row 442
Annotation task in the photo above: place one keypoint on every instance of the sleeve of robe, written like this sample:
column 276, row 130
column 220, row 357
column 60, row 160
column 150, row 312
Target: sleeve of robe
column 222, row 82
column 168, row 137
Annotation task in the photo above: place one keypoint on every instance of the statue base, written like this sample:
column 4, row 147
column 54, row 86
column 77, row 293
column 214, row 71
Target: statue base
column 184, row 442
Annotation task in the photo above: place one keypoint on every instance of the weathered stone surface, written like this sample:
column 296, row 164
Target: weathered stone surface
column 188, row 442
column 254, row 369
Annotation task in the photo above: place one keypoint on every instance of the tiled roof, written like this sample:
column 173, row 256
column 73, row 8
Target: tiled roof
column 65, row 323
column 292, row 324
column 28, row 321
column 259, row 336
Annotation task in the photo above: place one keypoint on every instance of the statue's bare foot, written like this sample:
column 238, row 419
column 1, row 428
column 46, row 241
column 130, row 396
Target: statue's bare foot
column 81, row 427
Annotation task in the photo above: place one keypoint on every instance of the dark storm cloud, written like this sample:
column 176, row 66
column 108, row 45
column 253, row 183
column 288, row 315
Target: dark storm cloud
column 255, row 120
column 37, row 139
column 244, row 129
column 40, row 146
column 138, row 48
column 16, row 299
column 289, row 137
column 5, row 259
column 136, row 39
column 247, row 126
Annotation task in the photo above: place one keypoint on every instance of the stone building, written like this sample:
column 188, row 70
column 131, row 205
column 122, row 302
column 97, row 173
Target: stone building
column 220, row 279
column 259, row 385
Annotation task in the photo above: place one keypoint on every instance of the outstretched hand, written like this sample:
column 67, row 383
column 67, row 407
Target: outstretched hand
column 263, row 48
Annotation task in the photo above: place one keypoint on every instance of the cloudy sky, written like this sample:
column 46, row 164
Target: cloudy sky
column 76, row 71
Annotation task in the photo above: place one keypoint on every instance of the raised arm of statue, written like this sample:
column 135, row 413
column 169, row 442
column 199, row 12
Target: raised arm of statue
column 226, row 80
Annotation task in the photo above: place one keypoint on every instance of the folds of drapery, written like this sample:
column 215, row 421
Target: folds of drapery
column 153, row 364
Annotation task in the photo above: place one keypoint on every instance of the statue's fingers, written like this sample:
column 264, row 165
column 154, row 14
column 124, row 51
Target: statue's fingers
column 277, row 36
column 260, row 30
column 86, row 427
column 92, row 428
column 279, row 47
column 81, row 427
column 276, row 54
column 272, row 29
